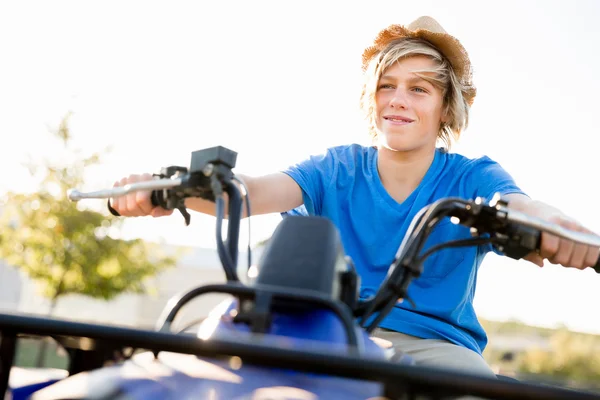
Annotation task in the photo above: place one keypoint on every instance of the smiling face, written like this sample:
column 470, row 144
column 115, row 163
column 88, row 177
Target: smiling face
column 408, row 107
column 402, row 82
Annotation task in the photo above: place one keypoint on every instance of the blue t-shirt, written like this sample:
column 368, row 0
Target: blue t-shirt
column 343, row 184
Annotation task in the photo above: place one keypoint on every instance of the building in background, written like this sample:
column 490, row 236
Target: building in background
column 197, row 267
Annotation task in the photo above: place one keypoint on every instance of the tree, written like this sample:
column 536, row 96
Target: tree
column 67, row 249
column 565, row 358
column 573, row 358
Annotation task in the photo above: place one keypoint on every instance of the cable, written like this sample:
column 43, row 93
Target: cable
column 225, row 257
column 391, row 301
column 419, row 230
column 455, row 243
column 248, row 214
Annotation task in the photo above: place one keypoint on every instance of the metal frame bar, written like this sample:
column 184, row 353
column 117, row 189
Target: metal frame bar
column 415, row 379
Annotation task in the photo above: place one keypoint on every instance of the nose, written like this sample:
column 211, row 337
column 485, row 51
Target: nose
column 399, row 100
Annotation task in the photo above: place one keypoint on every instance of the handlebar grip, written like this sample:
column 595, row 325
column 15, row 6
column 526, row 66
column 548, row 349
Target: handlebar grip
column 156, row 198
column 112, row 210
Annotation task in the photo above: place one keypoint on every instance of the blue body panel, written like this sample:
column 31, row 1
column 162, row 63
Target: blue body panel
column 25, row 392
column 306, row 329
column 186, row 377
column 300, row 329
column 181, row 376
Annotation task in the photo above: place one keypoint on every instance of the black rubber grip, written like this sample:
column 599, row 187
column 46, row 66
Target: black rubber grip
column 155, row 198
column 112, row 210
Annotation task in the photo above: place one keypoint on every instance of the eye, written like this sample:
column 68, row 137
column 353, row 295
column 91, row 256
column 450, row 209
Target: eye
column 419, row 90
column 385, row 86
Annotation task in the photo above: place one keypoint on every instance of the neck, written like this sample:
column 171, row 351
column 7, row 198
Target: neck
column 401, row 172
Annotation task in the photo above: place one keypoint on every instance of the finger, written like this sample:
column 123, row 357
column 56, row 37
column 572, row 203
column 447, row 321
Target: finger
column 549, row 246
column 142, row 198
column 563, row 255
column 579, row 252
column 578, row 256
column 565, row 247
column 121, row 201
column 132, row 205
column 591, row 257
column 114, row 202
column 534, row 258
column 592, row 254
column 160, row 212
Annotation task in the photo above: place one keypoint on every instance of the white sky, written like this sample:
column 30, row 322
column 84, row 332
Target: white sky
column 277, row 81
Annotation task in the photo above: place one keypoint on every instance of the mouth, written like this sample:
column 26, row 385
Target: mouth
column 397, row 119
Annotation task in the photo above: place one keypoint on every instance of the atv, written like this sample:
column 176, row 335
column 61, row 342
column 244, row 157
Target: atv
column 299, row 330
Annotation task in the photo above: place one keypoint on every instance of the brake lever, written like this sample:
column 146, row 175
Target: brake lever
column 186, row 215
column 518, row 241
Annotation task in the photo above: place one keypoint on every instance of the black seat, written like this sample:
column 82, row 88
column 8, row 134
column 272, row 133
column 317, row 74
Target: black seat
column 304, row 253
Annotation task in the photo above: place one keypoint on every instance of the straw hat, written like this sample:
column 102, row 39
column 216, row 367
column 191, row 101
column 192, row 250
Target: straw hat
column 430, row 30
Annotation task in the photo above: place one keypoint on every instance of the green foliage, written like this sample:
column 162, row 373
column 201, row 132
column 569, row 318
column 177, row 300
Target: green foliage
column 28, row 350
column 68, row 249
column 569, row 359
column 573, row 358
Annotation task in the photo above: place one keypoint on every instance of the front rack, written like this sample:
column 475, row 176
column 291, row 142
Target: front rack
column 396, row 379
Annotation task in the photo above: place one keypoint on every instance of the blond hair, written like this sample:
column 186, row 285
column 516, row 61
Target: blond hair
column 455, row 107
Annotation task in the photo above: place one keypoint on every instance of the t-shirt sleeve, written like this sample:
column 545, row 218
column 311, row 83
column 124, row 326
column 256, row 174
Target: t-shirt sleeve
column 488, row 177
column 313, row 175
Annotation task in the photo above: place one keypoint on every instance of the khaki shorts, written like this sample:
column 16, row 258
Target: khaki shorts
column 434, row 353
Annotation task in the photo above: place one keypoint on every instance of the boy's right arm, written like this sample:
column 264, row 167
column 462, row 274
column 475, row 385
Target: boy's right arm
column 273, row 193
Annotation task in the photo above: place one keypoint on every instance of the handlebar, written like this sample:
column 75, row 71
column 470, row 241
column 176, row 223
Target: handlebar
column 209, row 177
column 158, row 184
column 513, row 233
column 556, row 230
column 531, row 239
